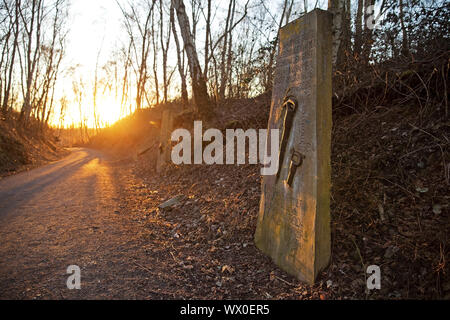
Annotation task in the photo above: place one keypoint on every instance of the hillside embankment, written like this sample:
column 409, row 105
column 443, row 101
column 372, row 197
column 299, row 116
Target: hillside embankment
column 389, row 205
column 24, row 148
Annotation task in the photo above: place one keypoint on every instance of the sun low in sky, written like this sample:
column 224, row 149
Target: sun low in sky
column 102, row 49
column 95, row 29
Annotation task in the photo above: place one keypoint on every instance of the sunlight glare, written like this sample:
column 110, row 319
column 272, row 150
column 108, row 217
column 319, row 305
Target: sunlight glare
column 109, row 111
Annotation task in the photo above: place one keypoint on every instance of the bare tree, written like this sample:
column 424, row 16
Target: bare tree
column 14, row 29
column 230, row 54
column 78, row 88
column 358, row 28
column 95, row 94
column 155, row 58
column 140, row 44
column 53, row 54
column 337, row 8
column 180, row 64
column 405, row 42
column 165, row 42
column 207, row 36
column 368, row 30
column 125, row 79
column 63, row 102
column 199, row 89
column 32, row 20
column 224, row 51
column 196, row 7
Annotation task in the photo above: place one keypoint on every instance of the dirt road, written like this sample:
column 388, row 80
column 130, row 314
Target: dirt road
column 102, row 216
column 69, row 213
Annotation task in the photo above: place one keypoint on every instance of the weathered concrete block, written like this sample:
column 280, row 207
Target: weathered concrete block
column 294, row 219
column 164, row 151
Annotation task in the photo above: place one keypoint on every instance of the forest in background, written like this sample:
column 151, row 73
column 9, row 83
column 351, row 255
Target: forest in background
column 179, row 50
column 192, row 53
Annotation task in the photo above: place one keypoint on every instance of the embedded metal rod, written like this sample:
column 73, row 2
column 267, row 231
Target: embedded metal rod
column 290, row 105
column 296, row 162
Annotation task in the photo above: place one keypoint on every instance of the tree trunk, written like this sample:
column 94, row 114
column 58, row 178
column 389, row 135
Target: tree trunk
column 368, row 32
column 13, row 57
column 336, row 7
column 208, row 32
column 180, row 64
column 346, row 35
column 359, row 29
column 155, row 58
column 199, row 89
column 405, row 42
column 223, row 79
column 31, row 57
column 164, row 48
column 230, row 54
